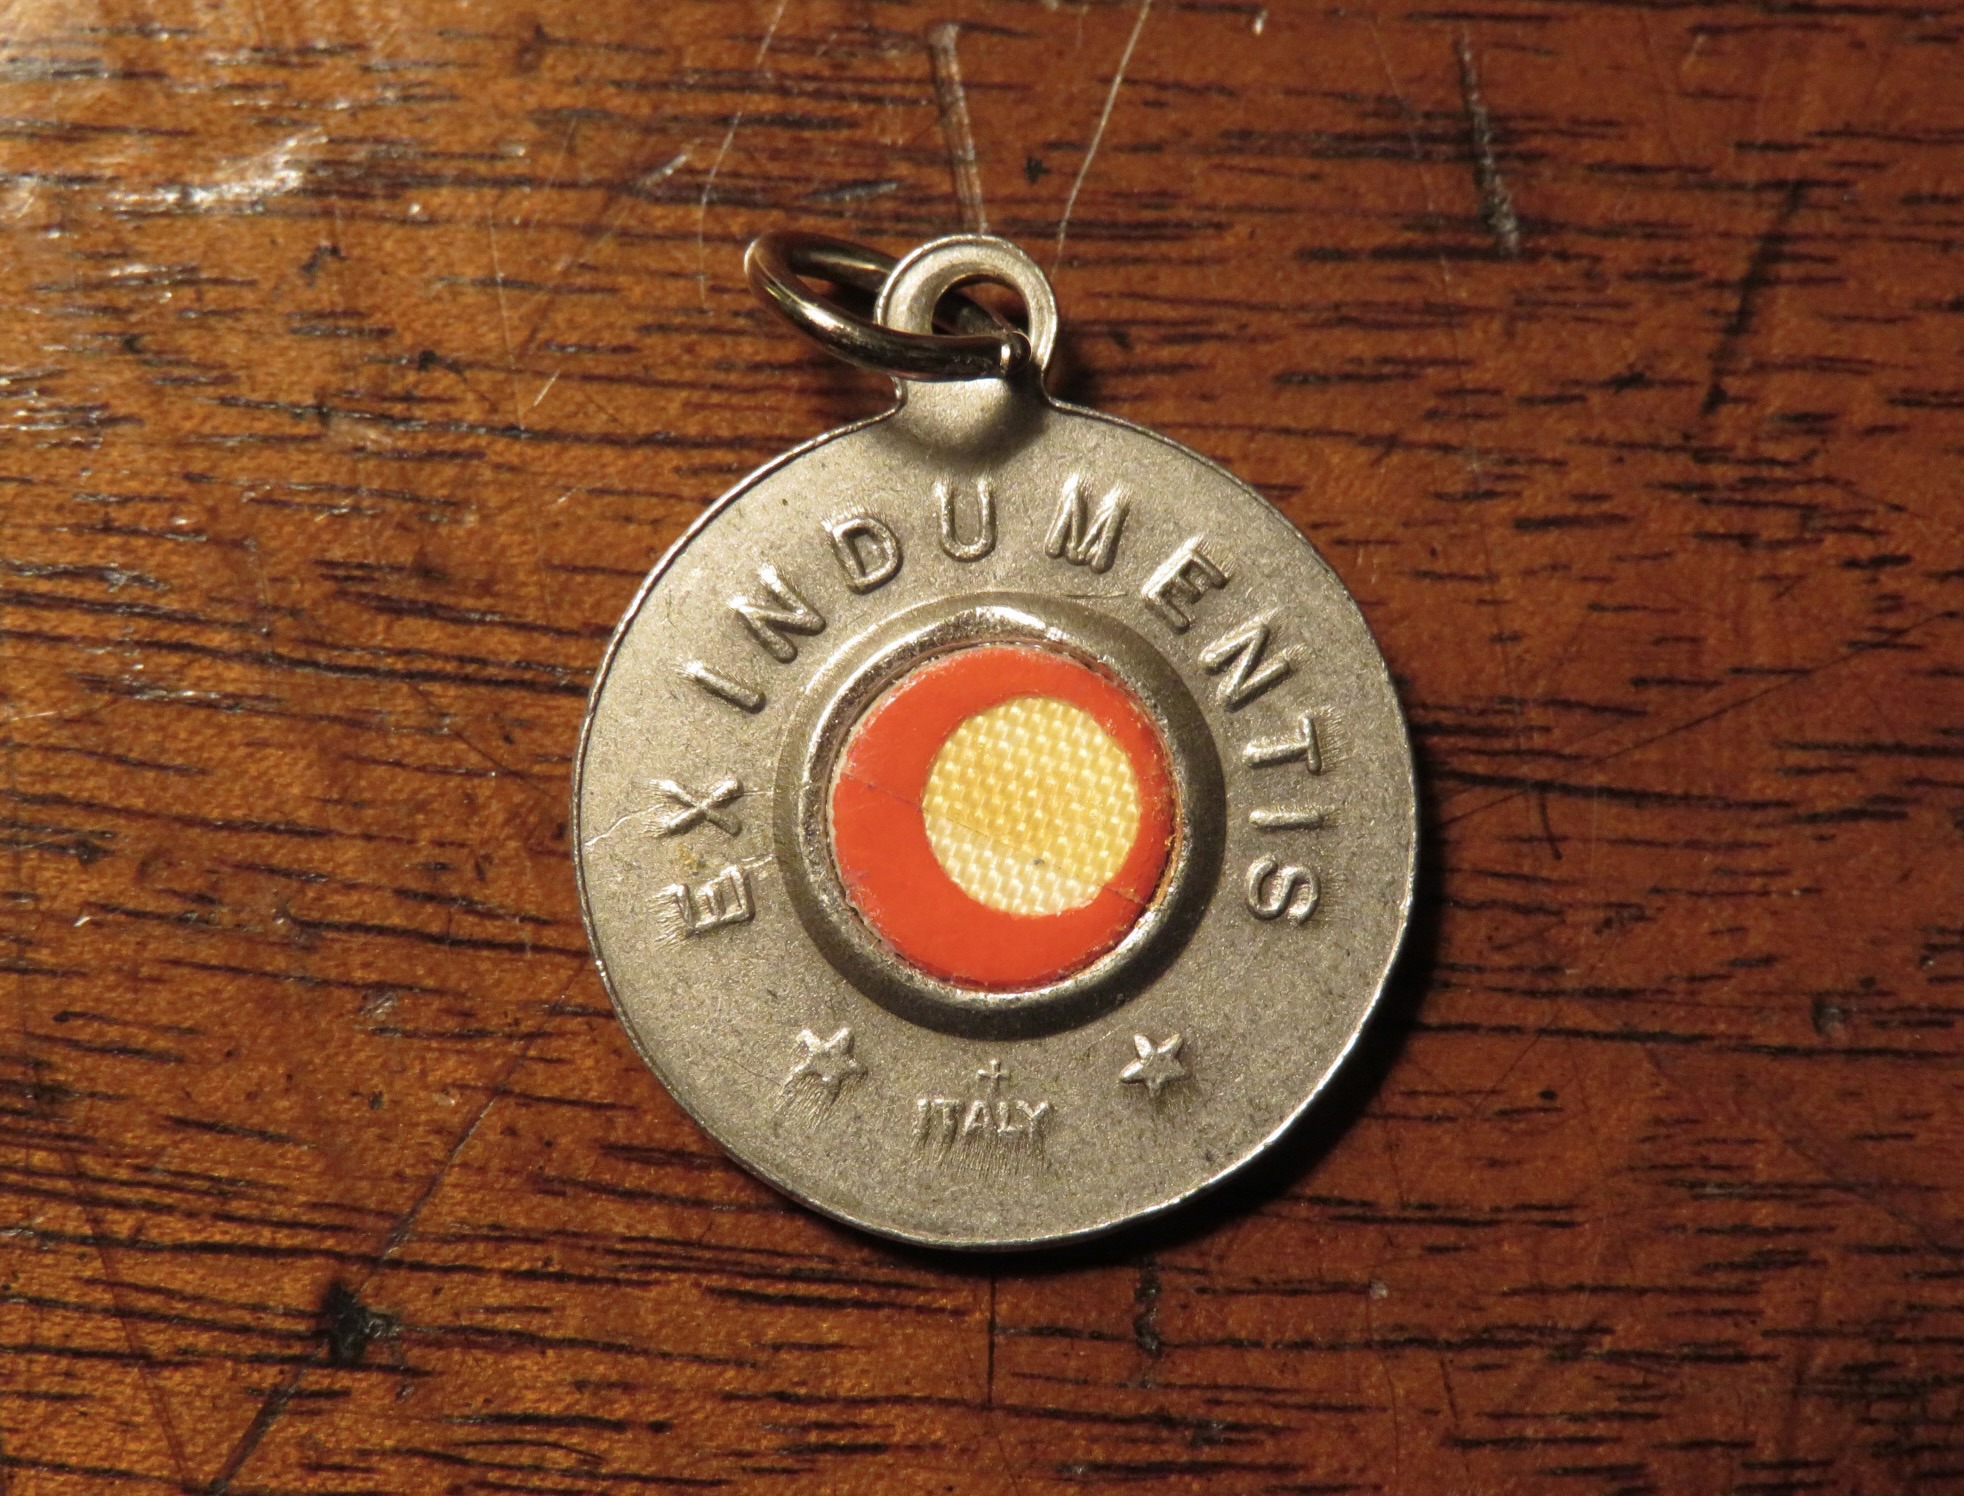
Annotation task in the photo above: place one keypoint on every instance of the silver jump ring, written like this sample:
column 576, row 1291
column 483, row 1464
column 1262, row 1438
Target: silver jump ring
column 984, row 348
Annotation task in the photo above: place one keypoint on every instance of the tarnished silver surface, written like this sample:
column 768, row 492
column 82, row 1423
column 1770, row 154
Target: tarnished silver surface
column 971, row 510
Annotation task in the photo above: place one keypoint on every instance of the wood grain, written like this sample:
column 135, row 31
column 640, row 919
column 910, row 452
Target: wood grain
column 358, row 359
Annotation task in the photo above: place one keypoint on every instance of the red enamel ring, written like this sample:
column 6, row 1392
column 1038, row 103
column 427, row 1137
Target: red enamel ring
column 886, row 859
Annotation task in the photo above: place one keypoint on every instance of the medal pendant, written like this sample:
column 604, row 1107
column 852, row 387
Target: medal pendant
column 994, row 822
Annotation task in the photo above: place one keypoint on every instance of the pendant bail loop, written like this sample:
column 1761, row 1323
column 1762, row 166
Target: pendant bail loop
column 927, row 274
column 983, row 347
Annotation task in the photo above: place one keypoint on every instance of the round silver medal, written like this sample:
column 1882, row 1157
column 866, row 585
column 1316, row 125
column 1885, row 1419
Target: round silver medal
column 994, row 822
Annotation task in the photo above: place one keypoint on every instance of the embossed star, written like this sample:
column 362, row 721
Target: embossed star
column 1158, row 1065
column 828, row 1061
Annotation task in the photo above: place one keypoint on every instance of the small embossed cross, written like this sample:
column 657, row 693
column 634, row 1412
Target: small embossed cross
column 693, row 807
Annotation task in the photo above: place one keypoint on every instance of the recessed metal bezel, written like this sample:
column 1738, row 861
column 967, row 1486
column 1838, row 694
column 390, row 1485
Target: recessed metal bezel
column 857, row 676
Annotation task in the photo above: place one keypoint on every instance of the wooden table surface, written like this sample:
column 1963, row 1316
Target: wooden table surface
column 360, row 356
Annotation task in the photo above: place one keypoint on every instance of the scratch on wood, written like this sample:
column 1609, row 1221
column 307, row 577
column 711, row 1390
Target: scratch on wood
column 956, row 131
column 1752, row 290
column 262, row 1421
column 113, row 1281
column 282, row 1394
column 722, row 151
column 245, row 188
column 539, row 310
column 1145, row 1320
column 1496, row 204
column 504, row 317
column 1452, row 812
column 1098, row 134
column 989, row 1377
